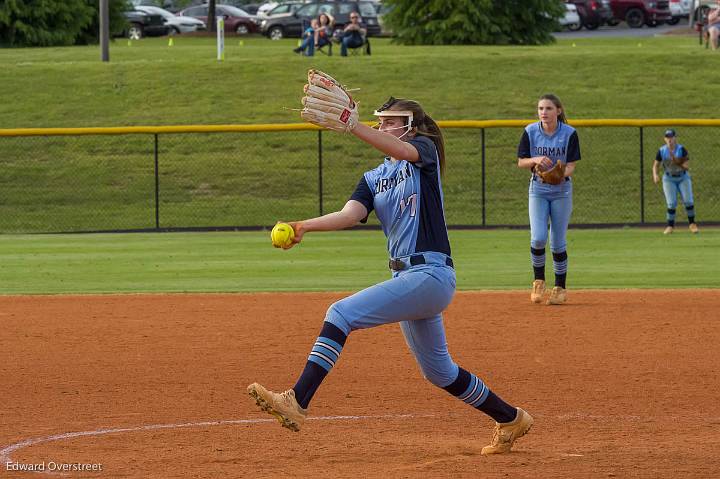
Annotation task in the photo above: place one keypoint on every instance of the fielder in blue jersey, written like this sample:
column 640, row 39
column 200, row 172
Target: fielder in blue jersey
column 405, row 191
column 542, row 145
column 674, row 159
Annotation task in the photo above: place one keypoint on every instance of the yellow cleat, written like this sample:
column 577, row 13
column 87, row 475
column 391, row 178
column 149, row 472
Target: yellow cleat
column 538, row 290
column 506, row 433
column 668, row 230
column 693, row 228
column 283, row 406
column 558, row 295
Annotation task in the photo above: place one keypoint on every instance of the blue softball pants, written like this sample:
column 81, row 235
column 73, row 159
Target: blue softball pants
column 554, row 206
column 414, row 297
column 672, row 185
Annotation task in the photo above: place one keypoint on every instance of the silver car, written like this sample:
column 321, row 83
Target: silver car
column 177, row 23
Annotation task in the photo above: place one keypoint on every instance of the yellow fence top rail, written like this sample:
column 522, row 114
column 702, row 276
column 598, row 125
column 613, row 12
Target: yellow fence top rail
column 132, row 130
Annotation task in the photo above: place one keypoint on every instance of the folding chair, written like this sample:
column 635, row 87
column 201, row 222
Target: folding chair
column 362, row 49
column 325, row 49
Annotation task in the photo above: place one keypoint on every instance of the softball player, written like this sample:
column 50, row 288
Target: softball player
column 674, row 159
column 406, row 193
column 542, row 145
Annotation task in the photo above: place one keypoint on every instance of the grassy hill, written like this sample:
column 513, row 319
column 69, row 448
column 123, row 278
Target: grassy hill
column 91, row 183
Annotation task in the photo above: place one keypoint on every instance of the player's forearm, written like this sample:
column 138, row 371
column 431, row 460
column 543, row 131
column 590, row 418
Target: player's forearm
column 386, row 143
column 569, row 169
column 349, row 216
column 526, row 163
column 655, row 168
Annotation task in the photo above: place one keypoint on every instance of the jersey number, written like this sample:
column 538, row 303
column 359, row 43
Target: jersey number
column 409, row 201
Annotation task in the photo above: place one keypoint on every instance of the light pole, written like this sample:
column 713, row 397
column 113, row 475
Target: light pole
column 104, row 31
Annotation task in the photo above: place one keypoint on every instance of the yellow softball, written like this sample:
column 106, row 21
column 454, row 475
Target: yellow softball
column 282, row 235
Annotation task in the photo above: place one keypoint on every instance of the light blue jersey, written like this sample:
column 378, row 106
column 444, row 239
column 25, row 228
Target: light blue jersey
column 562, row 145
column 670, row 167
column 408, row 200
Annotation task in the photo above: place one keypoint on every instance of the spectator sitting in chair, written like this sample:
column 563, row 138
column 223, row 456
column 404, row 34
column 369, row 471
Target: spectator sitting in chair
column 323, row 33
column 713, row 28
column 308, row 42
column 353, row 35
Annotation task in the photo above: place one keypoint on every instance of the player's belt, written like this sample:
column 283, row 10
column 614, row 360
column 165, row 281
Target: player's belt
column 675, row 175
column 399, row 265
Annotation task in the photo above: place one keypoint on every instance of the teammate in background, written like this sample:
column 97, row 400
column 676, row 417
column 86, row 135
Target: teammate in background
column 542, row 145
column 405, row 191
column 674, row 158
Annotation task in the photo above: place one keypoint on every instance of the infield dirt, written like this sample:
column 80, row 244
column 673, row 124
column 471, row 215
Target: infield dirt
column 621, row 384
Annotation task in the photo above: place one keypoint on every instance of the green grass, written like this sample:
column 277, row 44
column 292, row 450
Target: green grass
column 150, row 83
column 342, row 261
column 99, row 183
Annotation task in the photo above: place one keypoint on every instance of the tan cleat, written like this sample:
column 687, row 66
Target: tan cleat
column 283, row 406
column 668, row 230
column 506, row 433
column 538, row 290
column 558, row 295
column 693, row 228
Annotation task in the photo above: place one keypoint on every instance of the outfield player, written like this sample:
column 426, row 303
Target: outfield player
column 543, row 144
column 674, row 159
column 405, row 191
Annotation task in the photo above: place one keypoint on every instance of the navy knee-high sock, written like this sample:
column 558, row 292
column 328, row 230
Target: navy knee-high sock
column 321, row 360
column 470, row 389
column 690, row 213
column 538, row 262
column 560, row 261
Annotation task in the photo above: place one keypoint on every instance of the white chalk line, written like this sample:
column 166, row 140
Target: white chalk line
column 5, row 453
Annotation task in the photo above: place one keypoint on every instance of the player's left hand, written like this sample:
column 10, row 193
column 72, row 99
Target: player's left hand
column 327, row 104
column 554, row 175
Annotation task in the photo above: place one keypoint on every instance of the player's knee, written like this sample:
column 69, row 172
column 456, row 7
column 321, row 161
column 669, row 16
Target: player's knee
column 336, row 317
column 538, row 244
column 671, row 211
column 440, row 375
column 690, row 207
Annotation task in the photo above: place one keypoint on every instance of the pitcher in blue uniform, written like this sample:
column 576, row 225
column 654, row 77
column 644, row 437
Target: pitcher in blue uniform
column 405, row 191
column 674, row 159
column 543, row 144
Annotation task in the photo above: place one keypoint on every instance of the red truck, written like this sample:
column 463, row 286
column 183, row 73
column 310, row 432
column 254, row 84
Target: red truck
column 637, row 13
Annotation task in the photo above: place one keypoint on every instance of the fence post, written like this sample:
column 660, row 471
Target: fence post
column 157, row 186
column 320, row 174
column 642, row 184
column 482, row 141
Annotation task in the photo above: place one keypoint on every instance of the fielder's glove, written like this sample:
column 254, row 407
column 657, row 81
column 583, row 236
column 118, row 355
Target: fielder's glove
column 554, row 175
column 327, row 104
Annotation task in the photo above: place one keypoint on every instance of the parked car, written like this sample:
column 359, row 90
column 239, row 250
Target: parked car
column 291, row 25
column 141, row 24
column 637, row 13
column 571, row 20
column 236, row 19
column 679, row 9
column 177, row 23
column 593, row 13
column 281, row 9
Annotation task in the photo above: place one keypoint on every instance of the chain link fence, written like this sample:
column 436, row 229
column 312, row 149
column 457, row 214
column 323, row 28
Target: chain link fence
column 197, row 178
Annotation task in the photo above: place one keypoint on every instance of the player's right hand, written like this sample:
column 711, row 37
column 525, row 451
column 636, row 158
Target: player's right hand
column 542, row 162
column 299, row 231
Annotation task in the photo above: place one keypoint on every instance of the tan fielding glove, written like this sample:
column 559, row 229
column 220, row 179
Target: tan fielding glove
column 327, row 104
column 554, row 175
